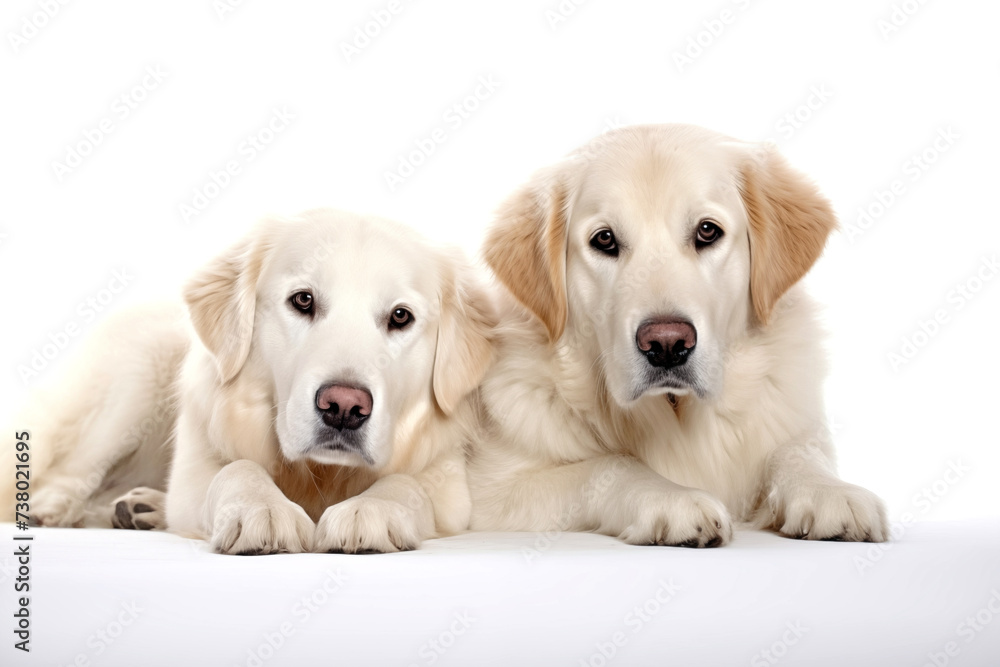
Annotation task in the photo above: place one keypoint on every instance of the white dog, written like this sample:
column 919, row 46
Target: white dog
column 324, row 380
column 659, row 372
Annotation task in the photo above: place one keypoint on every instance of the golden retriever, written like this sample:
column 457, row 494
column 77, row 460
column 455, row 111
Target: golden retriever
column 659, row 368
column 313, row 397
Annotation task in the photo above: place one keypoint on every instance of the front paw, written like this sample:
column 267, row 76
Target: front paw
column 826, row 510
column 367, row 525
column 680, row 518
column 262, row 527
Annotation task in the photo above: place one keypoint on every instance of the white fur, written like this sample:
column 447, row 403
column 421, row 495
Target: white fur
column 573, row 437
column 251, row 470
column 105, row 427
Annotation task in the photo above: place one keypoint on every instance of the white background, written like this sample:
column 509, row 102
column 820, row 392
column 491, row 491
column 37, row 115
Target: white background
column 881, row 94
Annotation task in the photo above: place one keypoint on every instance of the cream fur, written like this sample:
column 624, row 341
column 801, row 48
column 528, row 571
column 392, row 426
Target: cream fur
column 105, row 427
column 240, row 375
column 573, row 439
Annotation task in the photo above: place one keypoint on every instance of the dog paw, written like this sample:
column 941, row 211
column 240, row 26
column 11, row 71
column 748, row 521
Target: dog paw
column 142, row 508
column 828, row 511
column 367, row 525
column 262, row 527
column 56, row 505
column 679, row 518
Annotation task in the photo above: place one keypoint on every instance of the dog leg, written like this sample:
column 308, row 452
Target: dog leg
column 248, row 514
column 99, row 444
column 611, row 495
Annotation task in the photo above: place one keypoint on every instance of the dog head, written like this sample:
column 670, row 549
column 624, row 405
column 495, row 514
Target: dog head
column 354, row 325
column 652, row 248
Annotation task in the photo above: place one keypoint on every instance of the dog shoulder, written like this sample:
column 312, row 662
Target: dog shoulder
column 235, row 417
column 528, row 396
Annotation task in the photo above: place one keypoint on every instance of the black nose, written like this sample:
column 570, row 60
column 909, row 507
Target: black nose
column 344, row 407
column 666, row 343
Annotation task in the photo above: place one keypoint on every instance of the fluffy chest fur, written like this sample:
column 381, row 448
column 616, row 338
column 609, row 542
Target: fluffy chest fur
column 549, row 407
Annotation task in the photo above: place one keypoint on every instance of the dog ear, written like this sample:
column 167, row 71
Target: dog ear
column 526, row 248
column 465, row 337
column 221, row 300
column 789, row 224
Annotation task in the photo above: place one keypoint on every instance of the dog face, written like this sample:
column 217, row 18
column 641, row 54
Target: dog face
column 354, row 325
column 652, row 248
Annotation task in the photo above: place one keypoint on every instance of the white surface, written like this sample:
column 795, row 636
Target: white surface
column 899, row 432
column 888, row 93
column 526, row 599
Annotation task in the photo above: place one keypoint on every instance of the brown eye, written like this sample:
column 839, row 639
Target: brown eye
column 302, row 302
column 400, row 318
column 708, row 233
column 605, row 242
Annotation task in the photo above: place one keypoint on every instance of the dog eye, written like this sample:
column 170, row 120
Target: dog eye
column 400, row 318
column 302, row 302
column 604, row 241
column 708, row 233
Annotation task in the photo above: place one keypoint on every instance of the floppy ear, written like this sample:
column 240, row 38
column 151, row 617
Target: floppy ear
column 789, row 223
column 526, row 248
column 221, row 300
column 465, row 339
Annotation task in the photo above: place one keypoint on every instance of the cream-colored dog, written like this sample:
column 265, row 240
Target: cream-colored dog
column 320, row 376
column 659, row 371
